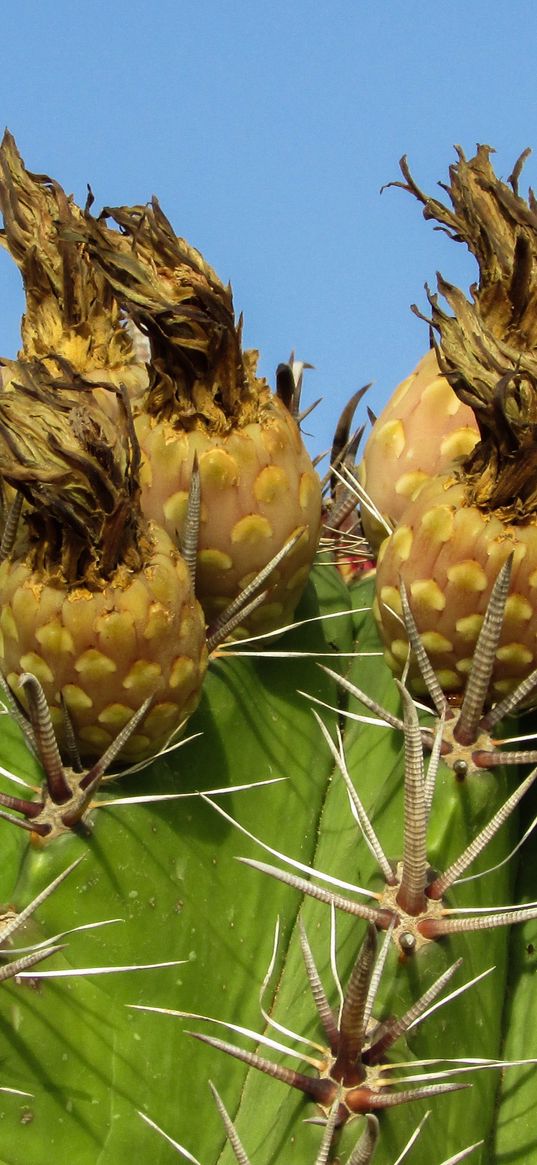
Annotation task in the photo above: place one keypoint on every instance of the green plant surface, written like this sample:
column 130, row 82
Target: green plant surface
column 516, row 1139
column 472, row 1024
column 269, row 1115
column 168, row 870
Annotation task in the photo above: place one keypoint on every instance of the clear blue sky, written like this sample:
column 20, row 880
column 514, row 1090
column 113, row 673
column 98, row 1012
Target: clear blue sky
column 267, row 130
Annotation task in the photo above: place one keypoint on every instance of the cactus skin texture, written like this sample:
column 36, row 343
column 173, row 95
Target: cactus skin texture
column 444, row 553
column 375, row 759
column 169, row 870
column 262, row 487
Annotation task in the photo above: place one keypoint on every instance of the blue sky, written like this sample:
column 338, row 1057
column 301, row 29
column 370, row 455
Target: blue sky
column 267, row 130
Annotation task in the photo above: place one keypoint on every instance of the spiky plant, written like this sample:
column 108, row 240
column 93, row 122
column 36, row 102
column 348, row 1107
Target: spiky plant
column 206, row 401
column 173, row 876
column 432, row 867
column 464, row 524
column 96, row 603
column 267, row 1114
column 461, row 809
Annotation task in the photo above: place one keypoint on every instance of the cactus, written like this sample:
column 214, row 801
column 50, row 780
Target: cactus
column 363, row 964
column 168, row 869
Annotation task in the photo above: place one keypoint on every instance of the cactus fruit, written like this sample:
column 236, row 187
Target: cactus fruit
column 205, row 399
column 464, row 524
column 422, row 430
column 398, row 824
column 98, row 604
column 204, row 402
